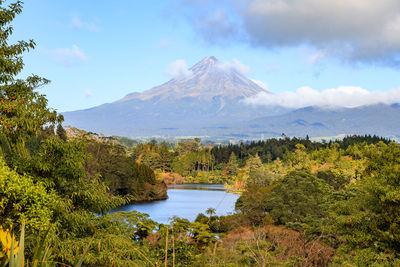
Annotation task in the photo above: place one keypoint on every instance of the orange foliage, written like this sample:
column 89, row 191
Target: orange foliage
column 172, row 178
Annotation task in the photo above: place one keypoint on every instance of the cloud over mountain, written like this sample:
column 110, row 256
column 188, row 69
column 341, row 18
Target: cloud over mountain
column 178, row 70
column 234, row 64
column 344, row 96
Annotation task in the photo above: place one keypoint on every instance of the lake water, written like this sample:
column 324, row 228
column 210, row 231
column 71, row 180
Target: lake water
column 186, row 201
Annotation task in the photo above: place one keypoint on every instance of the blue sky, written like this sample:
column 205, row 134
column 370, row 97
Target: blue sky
column 97, row 51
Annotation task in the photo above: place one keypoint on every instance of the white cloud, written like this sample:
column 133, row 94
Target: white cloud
column 89, row 93
column 344, row 96
column 68, row 56
column 178, row 70
column 77, row 23
column 260, row 83
column 234, row 64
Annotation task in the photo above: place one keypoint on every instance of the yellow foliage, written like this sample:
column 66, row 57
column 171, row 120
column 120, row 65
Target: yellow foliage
column 5, row 241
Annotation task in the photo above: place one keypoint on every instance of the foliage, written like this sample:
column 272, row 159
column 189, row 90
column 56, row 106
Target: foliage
column 367, row 218
column 251, row 203
column 297, row 198
column 120, row 172
column 23, row 199
column 22, row 110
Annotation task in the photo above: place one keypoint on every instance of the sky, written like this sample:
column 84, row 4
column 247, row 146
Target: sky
column 306, row 52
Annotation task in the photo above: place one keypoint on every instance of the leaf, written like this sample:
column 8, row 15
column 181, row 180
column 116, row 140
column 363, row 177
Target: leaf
column 20, row 255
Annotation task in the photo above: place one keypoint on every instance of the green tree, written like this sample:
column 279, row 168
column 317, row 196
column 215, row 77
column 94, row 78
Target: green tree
column 252, row 203
column 165, row 157
column 210, row 212
column 299, row 197
column 23, row 111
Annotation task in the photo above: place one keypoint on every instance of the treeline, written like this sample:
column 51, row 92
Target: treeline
column 271, row 149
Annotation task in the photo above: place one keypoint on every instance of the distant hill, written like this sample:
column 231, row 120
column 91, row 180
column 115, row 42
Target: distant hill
column 209, row 102
column 380, row 119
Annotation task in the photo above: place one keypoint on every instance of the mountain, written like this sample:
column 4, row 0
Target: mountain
column 209, row 101
column 200, row 103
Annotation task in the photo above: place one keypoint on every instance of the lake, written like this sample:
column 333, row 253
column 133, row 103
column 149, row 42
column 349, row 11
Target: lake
column 186, row 201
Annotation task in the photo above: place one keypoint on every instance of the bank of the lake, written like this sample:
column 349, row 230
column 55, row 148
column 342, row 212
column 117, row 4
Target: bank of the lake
column 187, row 201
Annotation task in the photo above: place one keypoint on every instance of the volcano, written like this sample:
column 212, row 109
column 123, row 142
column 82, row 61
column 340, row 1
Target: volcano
column 204, row 102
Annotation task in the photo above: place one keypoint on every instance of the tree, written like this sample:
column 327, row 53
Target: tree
column 61, row 132
column 210, row 211
column 252, row 203
column 298, row 197
column 165, row 157
column 257, row 175
column 23, row 111
column 231, row 168
column 299, row 158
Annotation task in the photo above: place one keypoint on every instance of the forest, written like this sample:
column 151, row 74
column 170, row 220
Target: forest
column 188, row 161
column 302, row 203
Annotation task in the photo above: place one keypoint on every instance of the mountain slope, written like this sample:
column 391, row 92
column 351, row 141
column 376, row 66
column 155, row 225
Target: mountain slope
column 209, row 79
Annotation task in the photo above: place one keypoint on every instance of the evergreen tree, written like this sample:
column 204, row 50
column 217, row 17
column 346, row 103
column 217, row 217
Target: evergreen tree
column 165, row 157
